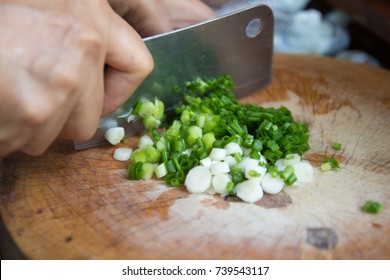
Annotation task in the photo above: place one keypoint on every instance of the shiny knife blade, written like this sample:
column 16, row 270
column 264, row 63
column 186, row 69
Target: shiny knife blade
column 239, row 44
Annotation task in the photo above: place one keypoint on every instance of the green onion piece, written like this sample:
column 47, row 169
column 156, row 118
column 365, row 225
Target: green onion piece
column 141, row 171
column 164, row 155
column 199, row 143
column 144, row 107
column 237, row 175
column 254, row 173
column 234, row 139
column 174, row 130
column 159, row 109
column 230, row 188
column 160, row 144
column 137, row 107
column 326, row 166
column 145, row 141
column 161, row 170
column 155, row 135
column 209, row 125
column 185, row 117
column 200, row 120
column 373, row 207
column 218, row 144
column 290, row 157
column 291, row 179
column 179, row 145
column 329, row 163
column 273, row 171
column 150, row 122
column 138, row 155
column 176, row 163
column 288, row 175
column 202, row 153
column 336, row 146
column 135, row 171
column 257, row 145
column 238, row 157
column 266, row 125
column 147, row 171
column 174, row 182
column 195, row 132
column 248, row 141
column 170, row 166
column 208, row 140
column 254, row 154
column 152, row 155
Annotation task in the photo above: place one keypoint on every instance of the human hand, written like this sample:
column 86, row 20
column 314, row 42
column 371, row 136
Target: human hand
column 158, row 16
column 53, row 79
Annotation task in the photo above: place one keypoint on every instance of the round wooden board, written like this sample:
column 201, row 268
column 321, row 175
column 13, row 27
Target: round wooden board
column 80, row 205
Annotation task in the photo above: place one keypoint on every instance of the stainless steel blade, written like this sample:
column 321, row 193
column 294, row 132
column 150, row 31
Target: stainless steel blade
column 239, row 44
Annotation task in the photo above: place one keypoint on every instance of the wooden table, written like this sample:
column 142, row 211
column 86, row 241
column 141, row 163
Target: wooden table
column 80, row 205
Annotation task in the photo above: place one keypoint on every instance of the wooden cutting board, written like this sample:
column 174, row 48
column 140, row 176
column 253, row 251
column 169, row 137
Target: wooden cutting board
column 80, row 205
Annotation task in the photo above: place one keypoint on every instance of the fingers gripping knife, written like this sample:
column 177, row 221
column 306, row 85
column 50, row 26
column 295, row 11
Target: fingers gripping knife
column 239, row 44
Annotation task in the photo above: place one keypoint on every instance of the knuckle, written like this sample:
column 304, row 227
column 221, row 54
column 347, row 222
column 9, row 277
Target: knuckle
column 89, row 41
column 64, row 79
column 35, row 116
column 79, row 131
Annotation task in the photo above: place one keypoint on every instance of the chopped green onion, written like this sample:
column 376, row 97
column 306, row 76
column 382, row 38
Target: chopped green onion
column 373, row 207
column 144, row 107
column 158, row 112
column 248, row 141
column 161, row 170
column 237, row 175
column 151, row 122
column 208, row 140
column 171, row 167
column 145, row 141
column 141, row 171
column 288, row 175
column 230, row 188
column 329, row 163
column 254, row 173
column 336, row 146
column 209, row 117
column 138, row 155
column 152, row 155
column 195, row 132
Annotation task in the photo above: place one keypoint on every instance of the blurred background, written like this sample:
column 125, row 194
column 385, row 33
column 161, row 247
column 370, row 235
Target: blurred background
column 356, row 30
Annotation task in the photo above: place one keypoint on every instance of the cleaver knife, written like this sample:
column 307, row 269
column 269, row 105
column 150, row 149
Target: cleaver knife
column 238, row 44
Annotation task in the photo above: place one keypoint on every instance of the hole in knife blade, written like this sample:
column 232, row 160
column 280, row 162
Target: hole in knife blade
column 254, row 28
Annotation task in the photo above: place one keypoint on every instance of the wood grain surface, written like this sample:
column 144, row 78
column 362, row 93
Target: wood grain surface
column 80, row 205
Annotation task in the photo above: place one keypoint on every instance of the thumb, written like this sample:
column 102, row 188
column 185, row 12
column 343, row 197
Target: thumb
column 128, row 61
